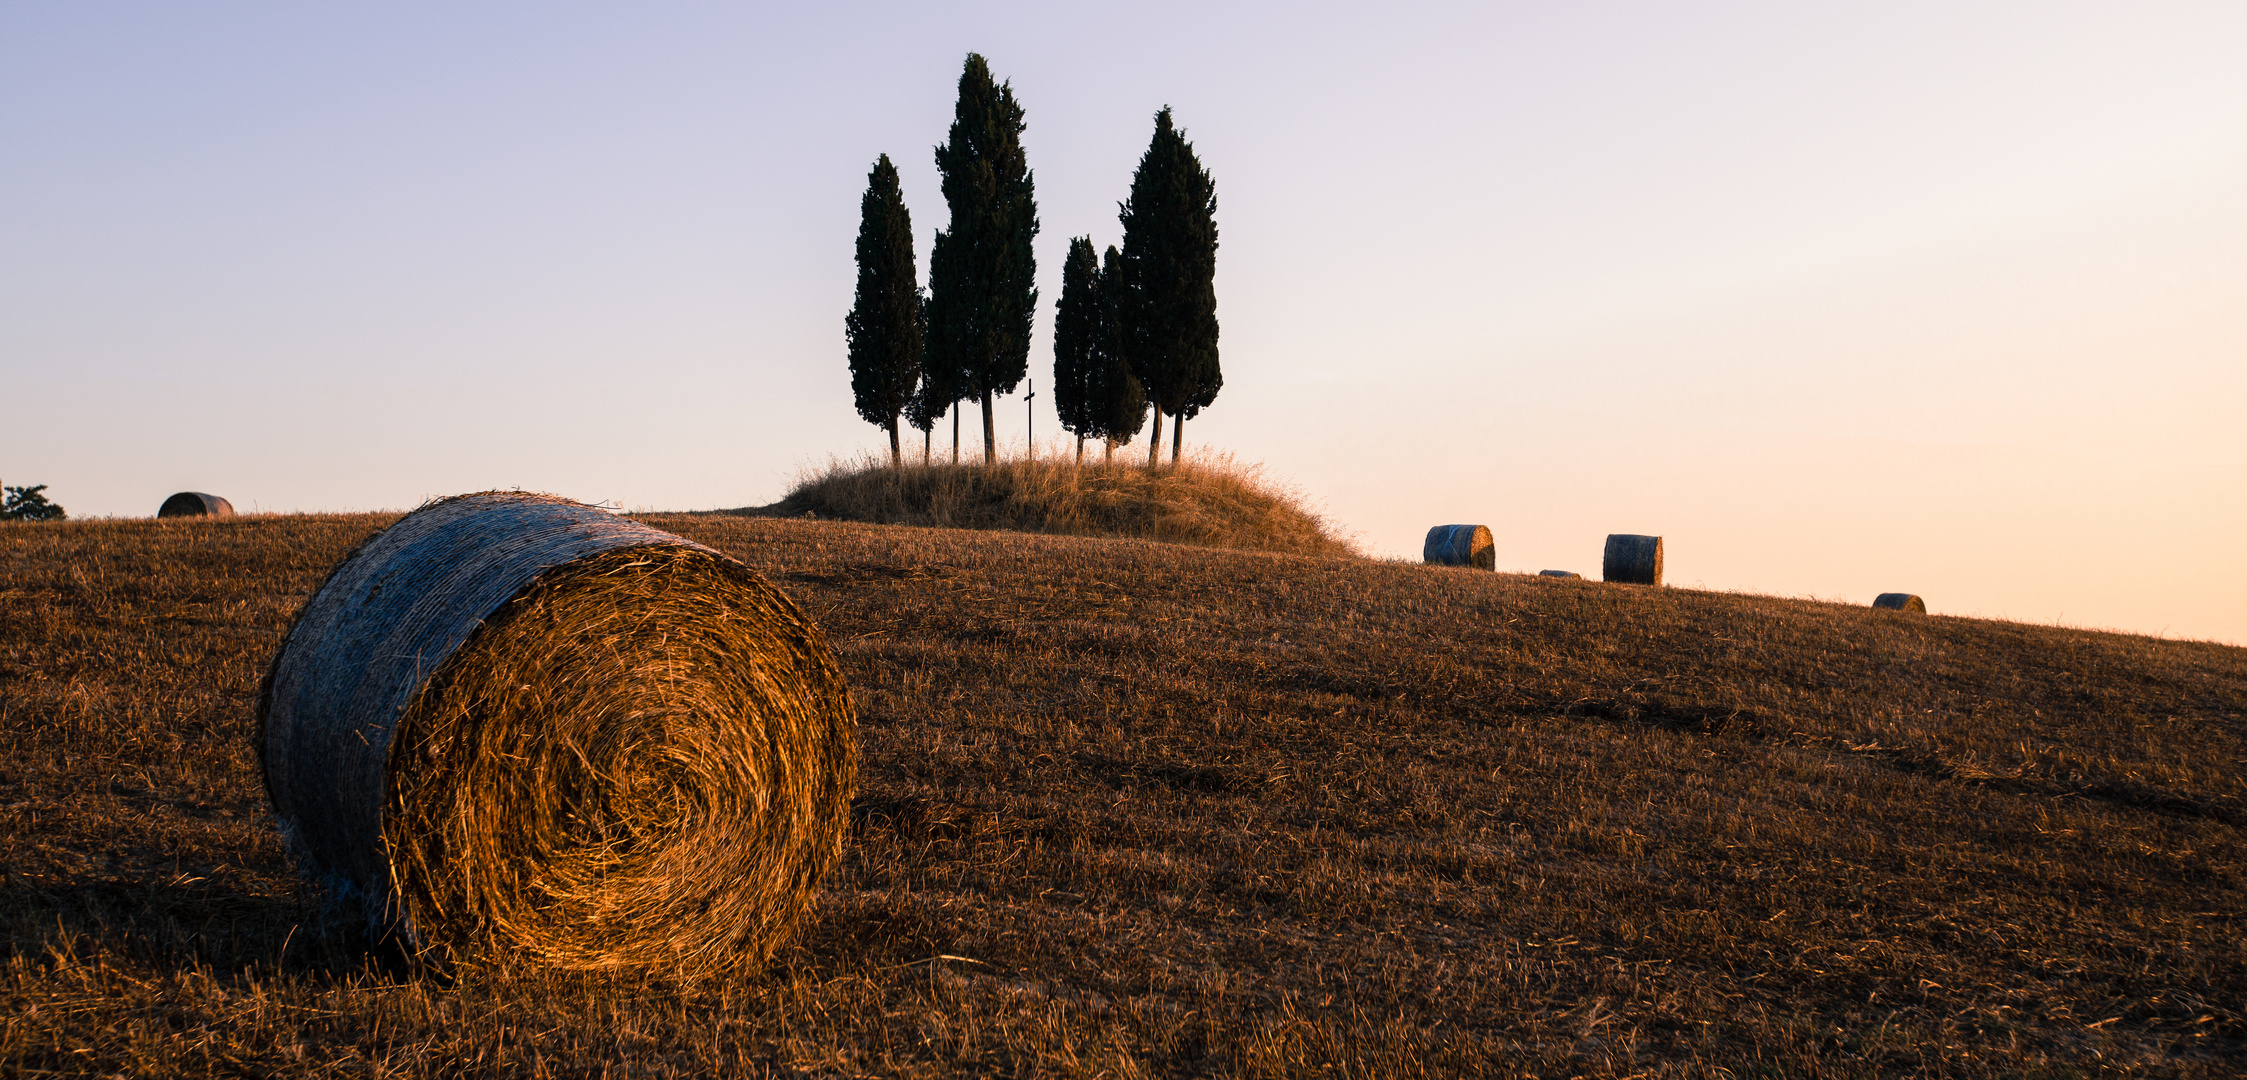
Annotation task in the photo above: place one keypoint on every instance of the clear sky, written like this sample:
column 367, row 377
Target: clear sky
column 1839, row 298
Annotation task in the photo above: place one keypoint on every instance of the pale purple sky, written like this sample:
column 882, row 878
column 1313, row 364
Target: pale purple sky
column 1841, row 299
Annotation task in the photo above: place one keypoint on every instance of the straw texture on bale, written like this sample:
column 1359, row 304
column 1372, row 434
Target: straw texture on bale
column 195, row 504
column 1900, row 601
column 1632, row 559
column 524, row 732
column 1559, row 573
column 1460, row 545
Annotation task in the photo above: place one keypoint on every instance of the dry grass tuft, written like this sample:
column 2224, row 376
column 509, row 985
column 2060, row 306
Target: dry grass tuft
column 1209, row 500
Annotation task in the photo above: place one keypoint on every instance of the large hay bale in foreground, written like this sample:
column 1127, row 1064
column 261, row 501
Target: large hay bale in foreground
column 1460, row 545
column 194, row 504
column 1900, row 601
column 1632, row 559
column 525, row 732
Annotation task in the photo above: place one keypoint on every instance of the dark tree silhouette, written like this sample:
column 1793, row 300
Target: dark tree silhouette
column 1094, row 390
column 982, row 291
column 1169, row 302
column 1078, row 325
column 884, row 326
column 932, row 398
column 28, row 504
column 1120, row 401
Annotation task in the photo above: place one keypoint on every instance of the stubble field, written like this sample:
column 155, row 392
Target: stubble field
column 1136, row 809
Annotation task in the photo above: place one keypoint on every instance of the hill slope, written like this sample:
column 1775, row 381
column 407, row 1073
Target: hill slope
column 1207, row 500
column 1195, row 812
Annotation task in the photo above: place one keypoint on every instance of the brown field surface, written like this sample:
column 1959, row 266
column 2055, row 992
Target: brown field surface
column 1137, row 809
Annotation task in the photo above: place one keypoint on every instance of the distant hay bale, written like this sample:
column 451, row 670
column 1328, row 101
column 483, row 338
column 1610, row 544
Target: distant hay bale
column 1632, row 559
column 1460, row 545
column 524, row 732
column 1559, row 573
column 1900, row 601
column 194, row 504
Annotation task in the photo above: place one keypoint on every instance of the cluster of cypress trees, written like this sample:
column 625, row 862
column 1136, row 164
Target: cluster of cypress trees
column 1136, row 329
column 1094, row 388
column 1146, row 316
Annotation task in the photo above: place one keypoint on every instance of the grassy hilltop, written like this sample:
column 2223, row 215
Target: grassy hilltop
column 1140, row 809
column 1208, row 500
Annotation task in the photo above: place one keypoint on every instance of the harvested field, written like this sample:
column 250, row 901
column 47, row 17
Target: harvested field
column 1133, row 809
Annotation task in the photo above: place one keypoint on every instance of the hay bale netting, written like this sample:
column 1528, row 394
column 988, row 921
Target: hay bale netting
column 1460, row 545
column 1559, row 573
column 1632, row 559
column 1900, row 601
column 524, row 732
column 194, row 504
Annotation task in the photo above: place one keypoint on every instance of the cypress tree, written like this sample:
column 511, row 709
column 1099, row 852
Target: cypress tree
column 884, row 326
column 1119, row 399
column 1169, row 302
column 1078, row 325
column 932, row 398
column 982, row 291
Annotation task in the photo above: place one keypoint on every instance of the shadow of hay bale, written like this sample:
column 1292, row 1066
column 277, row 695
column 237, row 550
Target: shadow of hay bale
column 521, row 731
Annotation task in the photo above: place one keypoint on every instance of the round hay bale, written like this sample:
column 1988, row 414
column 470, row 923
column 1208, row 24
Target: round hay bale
column 1632, row 559
column 1559, row 573
column 1900, row 601
column 525, row 732
column 194, row 504
column 1460, row 545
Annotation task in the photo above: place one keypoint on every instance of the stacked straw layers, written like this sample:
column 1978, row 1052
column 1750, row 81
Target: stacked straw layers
column 1460, row 545
column 524, row 732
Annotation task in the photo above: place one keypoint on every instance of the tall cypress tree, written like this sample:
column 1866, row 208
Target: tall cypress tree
column 1169, row 301
column 883, row 328
column 1119, row 399
column 1078, row 325
column 982, row 290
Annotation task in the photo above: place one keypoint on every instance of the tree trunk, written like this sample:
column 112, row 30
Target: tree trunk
column 1111, row 458
column 1080, row 450
column 955, row 433
column 927, row 436
column 896, row 456
column 1155, row 440
column 1177, row 435
column 990, row 452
